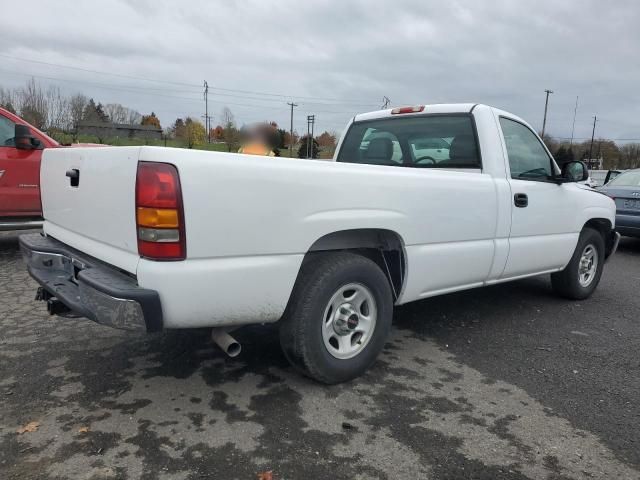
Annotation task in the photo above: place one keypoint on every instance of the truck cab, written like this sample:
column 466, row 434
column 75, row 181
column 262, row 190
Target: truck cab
column 21, row 146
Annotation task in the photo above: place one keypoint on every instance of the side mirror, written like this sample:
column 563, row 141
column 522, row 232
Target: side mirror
column 575, row 171
column 23, row 138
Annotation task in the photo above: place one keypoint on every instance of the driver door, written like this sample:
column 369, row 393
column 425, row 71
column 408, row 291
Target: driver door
column 541, row 209
column 19, row 175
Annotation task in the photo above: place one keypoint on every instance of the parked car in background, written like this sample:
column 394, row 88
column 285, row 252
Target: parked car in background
column 611, row 174
column 624, row 189
column 153, row 238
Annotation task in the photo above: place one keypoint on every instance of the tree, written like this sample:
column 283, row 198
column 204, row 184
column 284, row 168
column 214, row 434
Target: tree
column 227, row 116
column 194, row 132
column 33, row 105
column 629, row 156
column 77, row 105
column 231, row 137
column 150, row 120
column 304, row 142
column 561, row 156
column 8, row 100
column 120, row 114
column 326, row 140
column 94, row 113
column 217, row 133
column 178, row 129
column 570, row 156
column 282, row 135
column 287, row 138
column 59, row 111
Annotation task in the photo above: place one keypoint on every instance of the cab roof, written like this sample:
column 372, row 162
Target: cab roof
column 437, row 108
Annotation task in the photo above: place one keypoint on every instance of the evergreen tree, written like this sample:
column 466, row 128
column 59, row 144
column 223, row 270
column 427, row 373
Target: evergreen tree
column 302, row 151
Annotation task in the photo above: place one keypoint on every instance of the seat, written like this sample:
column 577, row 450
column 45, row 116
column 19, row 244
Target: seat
column 379, row 150
column 463, row 153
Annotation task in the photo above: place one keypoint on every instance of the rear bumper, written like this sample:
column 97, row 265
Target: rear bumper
column 628, row 225
column 7, row 225
column 88, row 287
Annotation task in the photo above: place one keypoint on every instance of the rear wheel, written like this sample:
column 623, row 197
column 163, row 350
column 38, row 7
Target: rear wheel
column 338, row 318
column 581, row 276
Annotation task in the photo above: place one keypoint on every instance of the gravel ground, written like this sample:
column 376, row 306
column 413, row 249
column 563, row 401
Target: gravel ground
column 505, row 382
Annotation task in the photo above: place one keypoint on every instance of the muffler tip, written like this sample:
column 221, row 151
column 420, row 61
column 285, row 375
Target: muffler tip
column 234, row 349
column 226, row 342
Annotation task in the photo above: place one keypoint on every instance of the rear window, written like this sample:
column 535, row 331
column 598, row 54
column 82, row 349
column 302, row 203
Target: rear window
column 627, row 179
column 427, row 141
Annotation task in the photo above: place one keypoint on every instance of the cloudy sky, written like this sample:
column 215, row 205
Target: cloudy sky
column 336, row 57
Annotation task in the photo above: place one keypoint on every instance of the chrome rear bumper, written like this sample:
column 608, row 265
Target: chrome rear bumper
column 88, row 287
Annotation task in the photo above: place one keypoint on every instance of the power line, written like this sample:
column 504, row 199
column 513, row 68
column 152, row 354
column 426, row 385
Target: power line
column 145, row 91
column 193, row 85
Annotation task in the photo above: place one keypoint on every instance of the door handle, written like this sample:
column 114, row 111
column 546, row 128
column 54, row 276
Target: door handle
column 521, row 200
column 74, row 176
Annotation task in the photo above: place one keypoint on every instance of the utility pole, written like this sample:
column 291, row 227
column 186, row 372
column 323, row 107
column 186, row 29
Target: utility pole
column 291, row 130
column 385, row 102
column 546, row 105
column 573, row 128
column 206, row 111
column 311, row 119
column 593, row 132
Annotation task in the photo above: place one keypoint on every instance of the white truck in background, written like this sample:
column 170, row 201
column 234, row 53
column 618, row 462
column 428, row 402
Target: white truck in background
column 160, row 238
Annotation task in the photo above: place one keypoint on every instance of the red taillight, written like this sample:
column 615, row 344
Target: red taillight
column 158, row 206
column 399, row 110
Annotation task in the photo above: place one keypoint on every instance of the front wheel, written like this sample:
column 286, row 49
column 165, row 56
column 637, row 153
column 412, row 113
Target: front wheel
column 581, row 276
column 338, row 317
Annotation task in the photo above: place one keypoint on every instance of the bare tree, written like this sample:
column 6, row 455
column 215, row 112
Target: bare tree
column 59, row 112
column 226, row 117
column 8, row 99
column 77, row 104
column 133, row 117
column 34, row 107
column 116, row 112
column 630, row 156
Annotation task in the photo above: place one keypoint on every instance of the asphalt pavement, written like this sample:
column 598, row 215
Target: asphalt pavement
column 504, row 382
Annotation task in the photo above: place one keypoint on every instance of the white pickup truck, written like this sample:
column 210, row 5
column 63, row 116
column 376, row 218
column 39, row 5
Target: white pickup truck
column 419, row 201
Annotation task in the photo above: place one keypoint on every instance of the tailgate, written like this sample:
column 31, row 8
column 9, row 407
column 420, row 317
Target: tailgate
column 96, row 216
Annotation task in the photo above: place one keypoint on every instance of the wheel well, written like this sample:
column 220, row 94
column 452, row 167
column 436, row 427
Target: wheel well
column 384, row 247
column 600, row 224
column 603, row 226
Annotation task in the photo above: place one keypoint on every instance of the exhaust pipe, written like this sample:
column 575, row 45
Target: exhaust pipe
column 226, row 342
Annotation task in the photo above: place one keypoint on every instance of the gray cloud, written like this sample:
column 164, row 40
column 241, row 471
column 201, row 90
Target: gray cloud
column 504, row 53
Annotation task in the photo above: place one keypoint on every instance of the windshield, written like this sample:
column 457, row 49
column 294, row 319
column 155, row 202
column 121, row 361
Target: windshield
column 426, row 141
column 627, row 179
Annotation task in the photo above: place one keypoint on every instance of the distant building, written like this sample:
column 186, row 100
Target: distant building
column 594, row 163
column 118, row 130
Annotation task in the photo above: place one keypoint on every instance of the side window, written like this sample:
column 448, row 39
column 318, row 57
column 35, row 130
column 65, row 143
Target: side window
column 7, row 131
column 528, row 160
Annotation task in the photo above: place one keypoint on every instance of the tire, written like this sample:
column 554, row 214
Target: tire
column 324, row 335
column 573, row 282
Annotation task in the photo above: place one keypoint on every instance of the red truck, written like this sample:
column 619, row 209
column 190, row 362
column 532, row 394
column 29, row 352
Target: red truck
column 21, row 146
